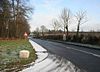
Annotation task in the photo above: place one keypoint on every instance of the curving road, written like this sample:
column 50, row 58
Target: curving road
column 85, row 58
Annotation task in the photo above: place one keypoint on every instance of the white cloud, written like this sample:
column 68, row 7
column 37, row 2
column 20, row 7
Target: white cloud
column 51, row 3
column 46, row 10
column 45, row 16
column 41, row 19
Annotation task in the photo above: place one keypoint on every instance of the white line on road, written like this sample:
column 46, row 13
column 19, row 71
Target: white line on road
column 96, row 55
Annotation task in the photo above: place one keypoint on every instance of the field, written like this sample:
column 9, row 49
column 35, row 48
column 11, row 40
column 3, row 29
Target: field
column 9, row 54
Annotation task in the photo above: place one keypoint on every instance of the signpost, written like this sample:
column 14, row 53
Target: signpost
column 64, row 37
column 25, row 35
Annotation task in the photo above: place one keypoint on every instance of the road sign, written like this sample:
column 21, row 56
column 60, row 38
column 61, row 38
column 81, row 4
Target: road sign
column 25, row 34
column 64, row 37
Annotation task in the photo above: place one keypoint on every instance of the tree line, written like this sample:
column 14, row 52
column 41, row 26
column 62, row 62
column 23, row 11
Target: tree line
column 14, row 18
column 64, row 20
column 61, row 25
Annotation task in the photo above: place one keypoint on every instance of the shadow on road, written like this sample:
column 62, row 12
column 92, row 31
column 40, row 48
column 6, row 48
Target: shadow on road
column 53, row 63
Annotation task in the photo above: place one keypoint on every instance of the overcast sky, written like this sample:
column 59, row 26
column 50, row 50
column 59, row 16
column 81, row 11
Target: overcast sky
column 46, row 10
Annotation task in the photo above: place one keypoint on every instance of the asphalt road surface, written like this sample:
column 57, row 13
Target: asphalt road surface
column 85, row 58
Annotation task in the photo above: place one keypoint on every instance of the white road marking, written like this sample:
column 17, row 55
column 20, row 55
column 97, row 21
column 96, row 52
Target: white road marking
column 96, row 55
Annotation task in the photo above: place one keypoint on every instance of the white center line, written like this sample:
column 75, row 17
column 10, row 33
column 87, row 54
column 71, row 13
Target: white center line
column 96, row 55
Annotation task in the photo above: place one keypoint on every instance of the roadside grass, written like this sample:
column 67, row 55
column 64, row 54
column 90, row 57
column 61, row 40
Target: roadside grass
column 9, row 54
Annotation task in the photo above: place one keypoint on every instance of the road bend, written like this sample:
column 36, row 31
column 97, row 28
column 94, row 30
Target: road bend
column 85, row 58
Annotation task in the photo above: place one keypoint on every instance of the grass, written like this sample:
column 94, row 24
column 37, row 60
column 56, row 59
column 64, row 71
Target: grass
column 9, row 54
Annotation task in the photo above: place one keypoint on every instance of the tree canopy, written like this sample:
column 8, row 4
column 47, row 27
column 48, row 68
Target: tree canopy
column 13, row 18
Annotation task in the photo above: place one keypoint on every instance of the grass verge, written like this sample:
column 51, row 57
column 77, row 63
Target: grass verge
column 9, row 54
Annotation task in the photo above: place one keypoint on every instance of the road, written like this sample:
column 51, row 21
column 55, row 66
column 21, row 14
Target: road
column 84, row 58
column 49, row 62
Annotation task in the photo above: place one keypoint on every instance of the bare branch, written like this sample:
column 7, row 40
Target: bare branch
column 81, row 19
column 55, row 24
column 65, row 16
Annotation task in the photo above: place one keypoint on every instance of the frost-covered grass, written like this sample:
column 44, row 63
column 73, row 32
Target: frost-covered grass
column 9, row 54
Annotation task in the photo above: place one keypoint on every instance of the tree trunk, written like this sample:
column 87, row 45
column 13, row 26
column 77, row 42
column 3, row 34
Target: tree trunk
column 77, row 33
column 67, row 32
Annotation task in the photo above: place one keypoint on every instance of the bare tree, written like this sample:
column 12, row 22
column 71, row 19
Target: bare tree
column 65, row 18
column 81, row 19
column 37, row 32
column 43, row 29
column 13, row 20
column 56, row 25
